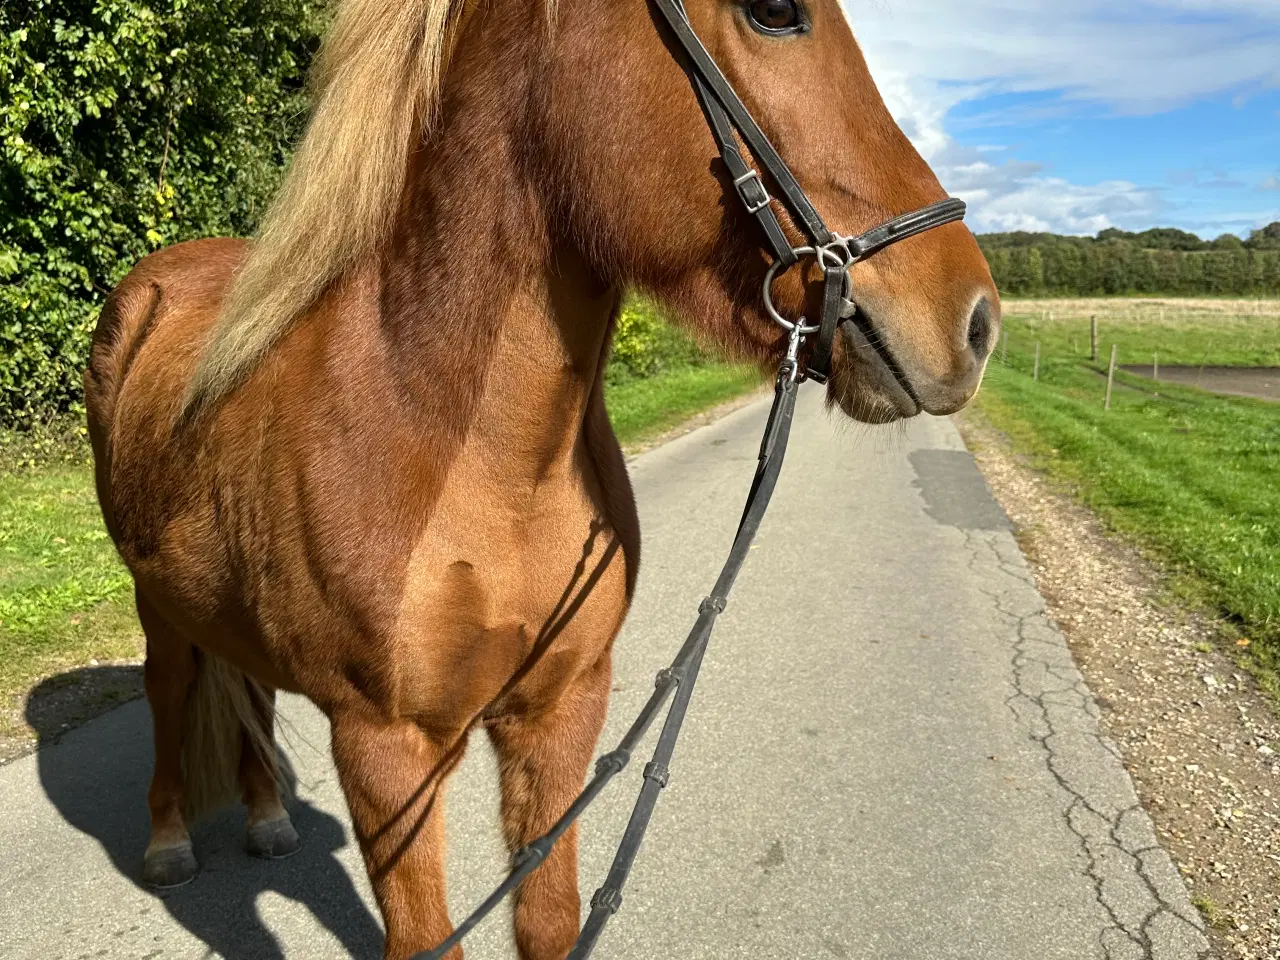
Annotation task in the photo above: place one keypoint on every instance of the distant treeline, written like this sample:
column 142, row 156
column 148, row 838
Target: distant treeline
column 1164, row 261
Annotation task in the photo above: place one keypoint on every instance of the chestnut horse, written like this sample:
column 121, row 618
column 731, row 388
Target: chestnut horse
column 366, row 458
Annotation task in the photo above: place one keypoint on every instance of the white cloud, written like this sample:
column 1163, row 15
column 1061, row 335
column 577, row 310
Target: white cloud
column 1006, row 194
column 1269, row 184
column 1137, row 56
column 1054, row 205
column 1017, row 195
column 929, row 56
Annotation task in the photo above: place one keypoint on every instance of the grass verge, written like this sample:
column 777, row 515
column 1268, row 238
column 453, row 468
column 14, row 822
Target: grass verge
column 642, row 409
column 1188, row 475
column 65, row 598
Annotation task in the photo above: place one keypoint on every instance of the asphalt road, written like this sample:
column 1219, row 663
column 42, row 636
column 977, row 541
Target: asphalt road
column 890, row 755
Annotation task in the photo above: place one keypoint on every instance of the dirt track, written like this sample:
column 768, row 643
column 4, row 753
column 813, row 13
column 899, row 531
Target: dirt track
column 1260, row 382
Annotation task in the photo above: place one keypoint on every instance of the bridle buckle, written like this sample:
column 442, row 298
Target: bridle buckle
column 752, row 191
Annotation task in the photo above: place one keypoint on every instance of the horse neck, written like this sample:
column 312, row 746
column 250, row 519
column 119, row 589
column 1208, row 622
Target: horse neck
column 496, row 332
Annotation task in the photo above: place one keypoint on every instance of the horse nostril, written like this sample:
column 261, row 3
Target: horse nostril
column 980, row 329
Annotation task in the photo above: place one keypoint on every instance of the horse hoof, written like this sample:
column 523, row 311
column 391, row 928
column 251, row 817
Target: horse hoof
column 169, row 867
column 273, row 839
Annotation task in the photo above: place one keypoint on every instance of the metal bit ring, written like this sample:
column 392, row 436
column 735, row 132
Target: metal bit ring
column 770, row 309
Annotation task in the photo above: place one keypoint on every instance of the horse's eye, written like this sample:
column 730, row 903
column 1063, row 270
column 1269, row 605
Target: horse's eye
column 775, row 16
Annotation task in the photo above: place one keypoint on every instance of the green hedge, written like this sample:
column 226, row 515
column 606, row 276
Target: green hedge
column 127, row 126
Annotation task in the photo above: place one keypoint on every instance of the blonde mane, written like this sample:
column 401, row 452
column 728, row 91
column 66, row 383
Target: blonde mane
column 377, row 79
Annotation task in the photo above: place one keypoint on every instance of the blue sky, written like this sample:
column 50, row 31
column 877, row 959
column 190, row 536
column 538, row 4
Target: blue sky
column 1075, row 115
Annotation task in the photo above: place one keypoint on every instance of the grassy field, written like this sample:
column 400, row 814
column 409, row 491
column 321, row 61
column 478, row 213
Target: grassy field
column 1188, row 475
column 65, row 598
column 1236, row 333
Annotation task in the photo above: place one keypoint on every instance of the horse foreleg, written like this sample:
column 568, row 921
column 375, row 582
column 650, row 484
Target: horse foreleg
column 392, row 774
column 542, row 762
column 169, row 673
column 270, row 832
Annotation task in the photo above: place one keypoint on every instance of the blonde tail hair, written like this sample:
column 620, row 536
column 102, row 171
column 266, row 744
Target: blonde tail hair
column 221, row 713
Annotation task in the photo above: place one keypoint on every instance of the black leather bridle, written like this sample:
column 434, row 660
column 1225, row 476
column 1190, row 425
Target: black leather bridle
column 835, row 255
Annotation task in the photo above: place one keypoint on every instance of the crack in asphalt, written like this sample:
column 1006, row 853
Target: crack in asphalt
column 1148, row 916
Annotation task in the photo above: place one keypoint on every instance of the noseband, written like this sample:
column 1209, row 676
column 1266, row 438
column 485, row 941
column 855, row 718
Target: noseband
column 835, row 255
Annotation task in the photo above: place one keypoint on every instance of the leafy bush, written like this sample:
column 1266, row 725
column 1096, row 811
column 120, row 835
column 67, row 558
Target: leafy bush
column 644, row 344
column 128, row 125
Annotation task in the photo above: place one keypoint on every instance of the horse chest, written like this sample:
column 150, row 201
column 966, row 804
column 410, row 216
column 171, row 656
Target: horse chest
column 501, row 611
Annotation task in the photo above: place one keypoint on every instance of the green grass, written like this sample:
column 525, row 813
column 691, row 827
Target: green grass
column 1212, row 913
column 65, row 597
column 641, row 409
column 1190, row 476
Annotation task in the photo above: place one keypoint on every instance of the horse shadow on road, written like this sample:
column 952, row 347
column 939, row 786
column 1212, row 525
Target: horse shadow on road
column 97, row 778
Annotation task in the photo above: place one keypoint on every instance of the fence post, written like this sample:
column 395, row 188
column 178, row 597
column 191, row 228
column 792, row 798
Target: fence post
column 1111, row 376
column 1036, row 375
column 1093, row 338
column 1155, row 367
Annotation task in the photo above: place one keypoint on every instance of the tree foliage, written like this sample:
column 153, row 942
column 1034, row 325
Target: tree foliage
column 1163, row 261
column 128, row 125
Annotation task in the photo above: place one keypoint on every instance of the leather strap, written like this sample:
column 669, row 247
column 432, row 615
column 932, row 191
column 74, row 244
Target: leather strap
column 746, row 181
column 819, row 368
column 705, row 70
column 678, row 679
column 920, row 221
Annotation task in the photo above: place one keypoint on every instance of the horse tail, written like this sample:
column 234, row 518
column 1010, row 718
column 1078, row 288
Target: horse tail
column 227, row 712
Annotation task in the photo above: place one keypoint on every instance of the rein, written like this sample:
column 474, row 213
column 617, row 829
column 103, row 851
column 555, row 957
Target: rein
column 835, row 255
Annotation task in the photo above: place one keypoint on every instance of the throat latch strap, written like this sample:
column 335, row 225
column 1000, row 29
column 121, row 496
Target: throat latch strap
column 746, row 180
